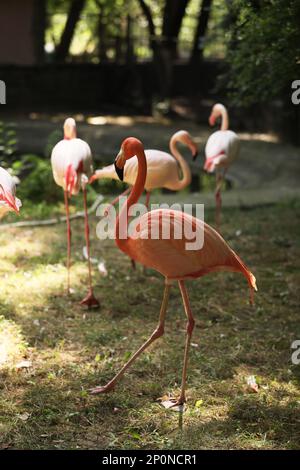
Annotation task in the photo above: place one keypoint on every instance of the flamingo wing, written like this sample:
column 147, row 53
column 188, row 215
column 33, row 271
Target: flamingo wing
column 171, row 256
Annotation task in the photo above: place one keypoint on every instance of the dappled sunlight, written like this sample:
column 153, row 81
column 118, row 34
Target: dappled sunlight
column 33, row 288
column 12, row 344
column 270, row 138
column 23, row 244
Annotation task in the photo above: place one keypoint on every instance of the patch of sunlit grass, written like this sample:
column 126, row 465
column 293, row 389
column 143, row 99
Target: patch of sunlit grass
column 12, row 344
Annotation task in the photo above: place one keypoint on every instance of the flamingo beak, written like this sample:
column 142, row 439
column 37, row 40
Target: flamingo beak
column 119, row 164
column 211, row 120
column 195, row 153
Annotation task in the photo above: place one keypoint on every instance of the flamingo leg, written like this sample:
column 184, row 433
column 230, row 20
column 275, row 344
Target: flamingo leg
column 189, row 330
column 219, row 180
column 69, row 236
column 90, row 300
column 157, row 333
column 148, row 194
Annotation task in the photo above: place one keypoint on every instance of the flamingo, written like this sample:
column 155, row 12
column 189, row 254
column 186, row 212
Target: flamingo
column 221, row 149
column 170, row 257
column 8, row 200
column 72, row 167
column 162, row 168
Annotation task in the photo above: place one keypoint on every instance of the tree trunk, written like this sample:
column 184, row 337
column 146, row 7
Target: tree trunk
column 165, row 48
column 63, row 47
column 38, row 29
column 174, row 12
column 204, row 14
column 101, row 36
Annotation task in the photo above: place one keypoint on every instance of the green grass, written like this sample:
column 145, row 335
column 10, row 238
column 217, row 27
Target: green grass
column 47, row 406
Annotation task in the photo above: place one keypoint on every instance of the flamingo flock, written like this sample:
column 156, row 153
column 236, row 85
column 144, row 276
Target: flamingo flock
column 171, row 256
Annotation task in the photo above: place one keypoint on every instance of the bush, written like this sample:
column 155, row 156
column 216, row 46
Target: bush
column 37, row 182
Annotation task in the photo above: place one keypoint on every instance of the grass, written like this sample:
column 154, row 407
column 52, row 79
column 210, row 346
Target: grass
column 47, row 405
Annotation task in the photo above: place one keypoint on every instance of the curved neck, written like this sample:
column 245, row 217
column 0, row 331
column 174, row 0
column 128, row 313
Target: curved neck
column 138, row 188
column 186, row 172
column 225, row 119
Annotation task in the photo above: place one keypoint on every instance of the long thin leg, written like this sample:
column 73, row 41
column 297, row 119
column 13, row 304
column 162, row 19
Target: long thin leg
column 157, row 333
column 189, row 330
column 219, row 180
column 148, row 194
column 69, row 235
column 90, row 300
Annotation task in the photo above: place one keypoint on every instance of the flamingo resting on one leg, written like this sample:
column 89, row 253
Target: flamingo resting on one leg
column 221, row 149
column 72, row 167
column 172, row 256
column 8, row 200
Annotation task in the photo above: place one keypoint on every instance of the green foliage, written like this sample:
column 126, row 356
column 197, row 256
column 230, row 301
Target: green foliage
column 265, row 49
column 8, row 143
column 52, row 140
column 38, row 185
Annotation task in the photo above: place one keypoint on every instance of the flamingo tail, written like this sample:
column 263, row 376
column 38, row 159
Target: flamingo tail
column 240, row 266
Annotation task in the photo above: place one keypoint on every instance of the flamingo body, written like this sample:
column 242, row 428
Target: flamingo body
column 163, row 171
column 170, row 257
column 8, row 200
column 221, row 149
column 74, row 152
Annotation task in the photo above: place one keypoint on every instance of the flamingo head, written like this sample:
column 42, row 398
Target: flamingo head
column 216, row 112
column 129, row 148
column 185, row 138
column 70, row 129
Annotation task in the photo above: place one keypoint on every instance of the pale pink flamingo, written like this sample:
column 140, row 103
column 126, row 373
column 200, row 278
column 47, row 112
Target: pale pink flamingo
column 221, row 149
column 170, row 257
column 8, row 200
column 72, row 167
column 162, row 167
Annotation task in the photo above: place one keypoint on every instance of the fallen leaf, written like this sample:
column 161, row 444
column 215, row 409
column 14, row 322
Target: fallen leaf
column 24, row 416
column 24, row 364
column 102, row 268
column 85, row 255
column 252, row 384
column 198, row 403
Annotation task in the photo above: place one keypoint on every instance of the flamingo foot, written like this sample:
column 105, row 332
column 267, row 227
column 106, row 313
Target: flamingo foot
column 90, row 301
column 101, row 389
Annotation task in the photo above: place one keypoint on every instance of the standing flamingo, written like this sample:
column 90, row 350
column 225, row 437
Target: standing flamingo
column 221, row 149
column 170, row 256
column 162, row 167
column 8, row 200
column 72, row 167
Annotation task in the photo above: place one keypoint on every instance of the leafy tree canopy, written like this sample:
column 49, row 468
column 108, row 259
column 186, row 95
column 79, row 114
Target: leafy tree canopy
column 264, row 49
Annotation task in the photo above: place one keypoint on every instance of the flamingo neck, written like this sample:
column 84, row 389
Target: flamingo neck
column 186, row 172
column 225, row 118
column 138, row 187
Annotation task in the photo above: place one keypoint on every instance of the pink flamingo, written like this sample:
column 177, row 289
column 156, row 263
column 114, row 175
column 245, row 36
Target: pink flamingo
column 72, row 167
column 170, row 257
column 221, row 149
column 8, row 200
column 162, row 168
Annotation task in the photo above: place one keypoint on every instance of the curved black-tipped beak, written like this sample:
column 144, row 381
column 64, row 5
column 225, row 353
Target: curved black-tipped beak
column 120, row 172
column 195, row 155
